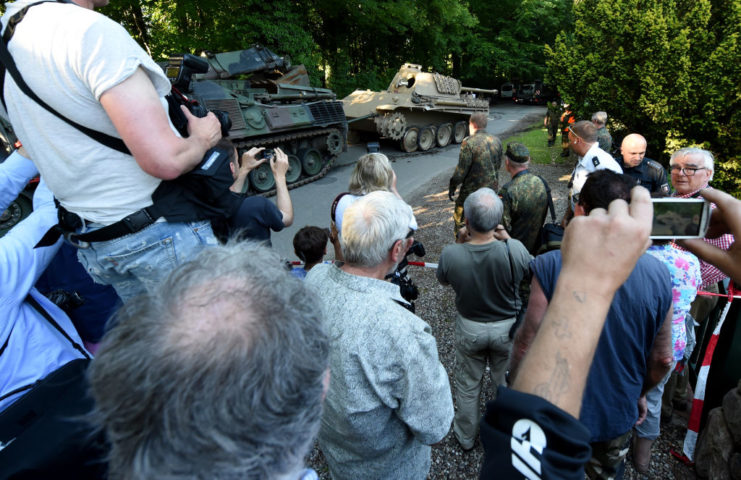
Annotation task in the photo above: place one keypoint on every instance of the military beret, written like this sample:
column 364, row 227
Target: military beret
column 517, row 152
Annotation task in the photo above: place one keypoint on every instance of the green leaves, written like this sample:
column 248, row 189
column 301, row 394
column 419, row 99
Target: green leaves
column 667, row 69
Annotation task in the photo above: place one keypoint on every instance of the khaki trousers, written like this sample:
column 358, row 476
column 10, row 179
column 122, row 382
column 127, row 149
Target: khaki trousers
column 475, row 342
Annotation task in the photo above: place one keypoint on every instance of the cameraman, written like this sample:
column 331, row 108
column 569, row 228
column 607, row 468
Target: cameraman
column 87, row 68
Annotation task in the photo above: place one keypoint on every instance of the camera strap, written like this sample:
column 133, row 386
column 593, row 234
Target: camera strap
column 8, row 64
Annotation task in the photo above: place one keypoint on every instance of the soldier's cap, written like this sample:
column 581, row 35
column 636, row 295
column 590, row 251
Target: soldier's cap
column 517, row 152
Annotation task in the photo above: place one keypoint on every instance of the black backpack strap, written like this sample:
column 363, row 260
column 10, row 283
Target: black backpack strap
column 37, row 306
column 550, row 199
column 7, row 60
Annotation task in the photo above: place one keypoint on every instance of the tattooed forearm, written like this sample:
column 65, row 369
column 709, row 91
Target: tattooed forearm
column 580, row 297
column 561, row 327
column 553, row 389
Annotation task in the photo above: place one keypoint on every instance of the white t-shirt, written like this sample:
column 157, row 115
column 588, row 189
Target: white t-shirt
column 594, row 159
column 69, row 56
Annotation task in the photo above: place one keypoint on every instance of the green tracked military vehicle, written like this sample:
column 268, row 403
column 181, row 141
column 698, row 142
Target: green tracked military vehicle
column 270, row 104
column 419, row 109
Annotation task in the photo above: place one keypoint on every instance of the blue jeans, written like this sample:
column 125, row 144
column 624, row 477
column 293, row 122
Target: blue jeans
column 135, row 263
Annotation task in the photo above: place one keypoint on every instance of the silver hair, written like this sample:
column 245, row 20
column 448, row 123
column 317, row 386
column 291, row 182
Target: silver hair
column 599, row 117
column 483, row 210
column 707, row 157
column 217, row 373
column 371, row 225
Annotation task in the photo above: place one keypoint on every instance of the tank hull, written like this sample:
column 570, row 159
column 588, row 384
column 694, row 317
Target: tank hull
column 415, row 100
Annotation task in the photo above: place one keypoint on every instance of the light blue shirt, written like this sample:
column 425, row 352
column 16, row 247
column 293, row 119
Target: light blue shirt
column 33, row 348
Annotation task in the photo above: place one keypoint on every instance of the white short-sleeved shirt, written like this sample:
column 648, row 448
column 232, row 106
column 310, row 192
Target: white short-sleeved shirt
column 595, row 159
column 69, row 56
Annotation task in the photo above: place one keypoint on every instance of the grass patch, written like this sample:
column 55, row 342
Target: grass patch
column 535, row 138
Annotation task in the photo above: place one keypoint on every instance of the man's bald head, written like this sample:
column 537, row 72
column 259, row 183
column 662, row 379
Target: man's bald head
column 633, row 149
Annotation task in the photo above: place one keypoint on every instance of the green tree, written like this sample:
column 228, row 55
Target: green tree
column 667, row 69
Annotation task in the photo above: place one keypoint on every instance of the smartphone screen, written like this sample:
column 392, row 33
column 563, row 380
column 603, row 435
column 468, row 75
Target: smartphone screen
column 680, row 218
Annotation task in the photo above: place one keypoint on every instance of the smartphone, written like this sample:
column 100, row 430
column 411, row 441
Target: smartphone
column 680, row 218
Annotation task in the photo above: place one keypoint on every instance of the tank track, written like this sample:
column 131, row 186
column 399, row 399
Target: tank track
column 277, row 140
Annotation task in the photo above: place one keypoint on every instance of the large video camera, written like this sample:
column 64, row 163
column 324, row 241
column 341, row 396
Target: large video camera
column 181, row 73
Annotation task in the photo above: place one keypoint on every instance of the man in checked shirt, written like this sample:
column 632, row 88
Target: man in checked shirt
column 691, row 170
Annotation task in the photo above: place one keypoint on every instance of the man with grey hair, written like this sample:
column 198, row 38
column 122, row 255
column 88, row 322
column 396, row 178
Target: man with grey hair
column 691, row 170
column 389, row 398
column 219, row 373
column 485, row 273
column 604, row 139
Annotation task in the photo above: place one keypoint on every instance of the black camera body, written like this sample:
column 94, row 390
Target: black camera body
column 267, row 154
column 400, row 276
column 191, row 64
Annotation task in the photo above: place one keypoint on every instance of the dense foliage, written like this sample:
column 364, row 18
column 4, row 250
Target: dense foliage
column 668, row 69
column 361, row 44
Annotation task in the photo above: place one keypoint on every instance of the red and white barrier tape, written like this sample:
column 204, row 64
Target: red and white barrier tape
column 693, row 426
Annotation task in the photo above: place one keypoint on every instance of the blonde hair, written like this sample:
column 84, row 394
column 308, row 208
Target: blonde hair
column 372, row 172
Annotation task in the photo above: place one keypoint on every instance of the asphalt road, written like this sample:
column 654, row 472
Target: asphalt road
column 312, row 202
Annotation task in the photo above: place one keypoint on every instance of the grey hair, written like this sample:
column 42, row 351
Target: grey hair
column 707, row 157
column 217, row 373
column 372, row 172
column 599, row 117
column 371, row 225
column 483, row 210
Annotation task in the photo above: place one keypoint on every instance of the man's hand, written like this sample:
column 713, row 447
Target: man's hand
column 726, row 218
column 451, row 195
column 500, row 233
column 279, row 164
column 463, row 235
column 249, row 160
column 642, row 410
column 206, row 129
column 334, row 236
column 600, row 250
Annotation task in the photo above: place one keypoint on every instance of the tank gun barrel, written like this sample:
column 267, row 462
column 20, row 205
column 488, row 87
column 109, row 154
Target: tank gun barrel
column 479, row 90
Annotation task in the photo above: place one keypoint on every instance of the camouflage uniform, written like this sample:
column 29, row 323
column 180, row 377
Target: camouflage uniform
column 525, row 207
column 551, row 119
column 604, row 139
column 478, row 167
column 650, row 174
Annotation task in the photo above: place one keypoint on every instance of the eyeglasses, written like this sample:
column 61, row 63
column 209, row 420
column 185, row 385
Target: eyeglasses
column 571, row 131
column 689, row 171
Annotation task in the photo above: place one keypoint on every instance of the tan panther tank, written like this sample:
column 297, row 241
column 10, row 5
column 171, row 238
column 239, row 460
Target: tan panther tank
column 420, row 109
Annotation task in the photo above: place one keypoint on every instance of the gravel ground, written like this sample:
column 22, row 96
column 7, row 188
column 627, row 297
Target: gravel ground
column 436, row 305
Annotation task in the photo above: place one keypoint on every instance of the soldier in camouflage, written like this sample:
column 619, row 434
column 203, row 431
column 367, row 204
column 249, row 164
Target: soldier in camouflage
column 648, row 173
column 525, row 198
column 551, row 120
column 478, row 165
column 604, row 139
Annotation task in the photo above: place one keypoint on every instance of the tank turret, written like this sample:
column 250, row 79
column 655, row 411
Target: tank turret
column 420, row 109
column 271, row 104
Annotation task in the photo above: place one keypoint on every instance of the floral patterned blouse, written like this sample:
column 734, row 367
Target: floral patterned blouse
column 684, row 269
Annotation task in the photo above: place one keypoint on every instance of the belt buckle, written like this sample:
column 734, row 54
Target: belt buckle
column 138, row 220
column 69, row 238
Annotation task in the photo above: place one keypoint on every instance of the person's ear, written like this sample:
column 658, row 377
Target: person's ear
column 579, row 210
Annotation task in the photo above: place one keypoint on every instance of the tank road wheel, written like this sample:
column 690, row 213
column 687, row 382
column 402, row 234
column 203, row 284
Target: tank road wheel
column 294, row 169
column 262, row 178
column 409, row 141
column 459, row 132
column 444, row 134
column 426, row 138
column 334, row 142
column 394, row 126
column 312, row 161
